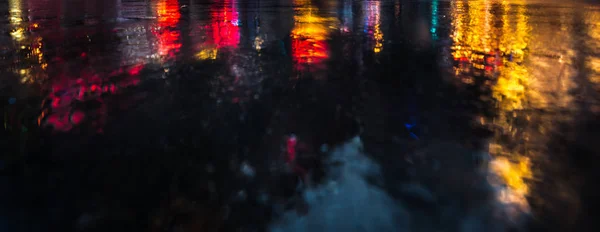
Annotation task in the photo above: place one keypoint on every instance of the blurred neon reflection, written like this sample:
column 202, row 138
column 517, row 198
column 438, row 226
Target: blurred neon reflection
column 168, row 36
column 309, row 45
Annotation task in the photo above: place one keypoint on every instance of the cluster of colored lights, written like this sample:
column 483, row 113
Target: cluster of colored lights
column 309, row 36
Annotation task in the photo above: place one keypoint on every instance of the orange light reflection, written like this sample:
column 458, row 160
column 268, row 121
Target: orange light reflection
column 309, row 36
column 168, row 37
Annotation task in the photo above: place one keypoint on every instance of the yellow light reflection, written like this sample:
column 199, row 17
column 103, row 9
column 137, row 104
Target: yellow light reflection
column 374, row 24
column 34, row 73
column 514, row 174
column 16, row 15
column 378, row 39
column 314, row 31
column 32, row 63
column 207, row 54
column 16, row 19
column 17, row 33
column 308, row 24
column 593, row 42
column 511, row 92
column 510, row 89
column 481, row 46
column 310, row 34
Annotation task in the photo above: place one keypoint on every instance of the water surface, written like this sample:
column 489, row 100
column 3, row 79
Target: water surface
column 144, row 109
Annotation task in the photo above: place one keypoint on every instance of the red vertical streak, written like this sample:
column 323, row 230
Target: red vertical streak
column 224, row 25
column 168, row 36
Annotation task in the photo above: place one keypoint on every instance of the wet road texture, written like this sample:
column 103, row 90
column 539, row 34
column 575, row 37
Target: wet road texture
column 223, row 115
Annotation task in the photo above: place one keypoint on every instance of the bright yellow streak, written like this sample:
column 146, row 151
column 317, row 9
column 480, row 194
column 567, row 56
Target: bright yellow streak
column 309, row 18
column 510, row 91
column 378, row 39
column 207, row 54
column 310, row 30
column 18, row 32
column 309, row 24
column 378, row 35
column 15, row 11
column 15, row 19
column 474, row 38
column 459, row 48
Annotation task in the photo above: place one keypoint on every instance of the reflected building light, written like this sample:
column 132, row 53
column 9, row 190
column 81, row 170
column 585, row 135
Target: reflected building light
column 511, row 93
column 225, row 28
column 550, row 61
column 15, row 11
column 16, row 19
column 168, row 36
column 36, row 72
column 30, row 62
column 309, row 35
column 17, row 33
column 434, row 19
column 207, row 54
column 534, row 67
column 593, row 43
column 225, row 25
column 373, row 25
column 481, row 51
column 471, row 35
column 514, row 173
column 514, row 79
column 477, row 47
column 593, row 64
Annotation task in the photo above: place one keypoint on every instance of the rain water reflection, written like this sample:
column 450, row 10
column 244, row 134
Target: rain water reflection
column 525, row 61
column 247, row 73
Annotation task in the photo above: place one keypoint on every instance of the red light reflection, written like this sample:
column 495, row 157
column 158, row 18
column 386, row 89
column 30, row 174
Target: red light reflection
column 309, row 38
column 60, row 110
column 223, row 30
column 224, row 25
column 308, row 51
column 168, row 37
